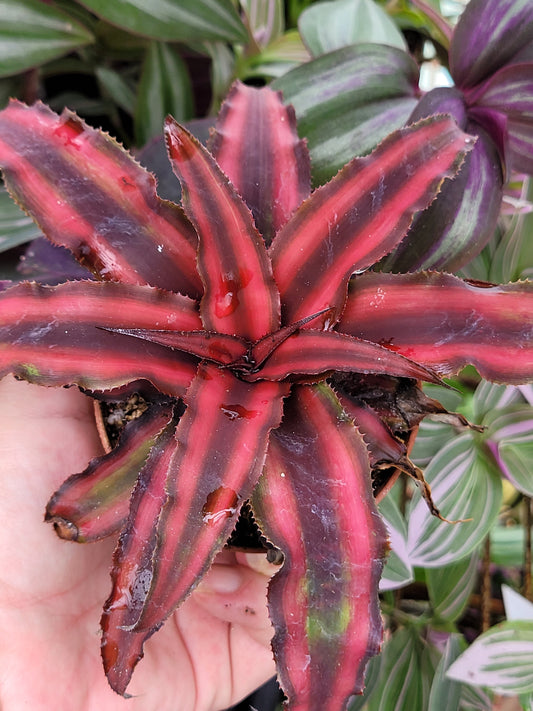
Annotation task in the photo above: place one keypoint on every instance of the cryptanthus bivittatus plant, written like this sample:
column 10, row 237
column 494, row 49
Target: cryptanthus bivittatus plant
column 271, row 367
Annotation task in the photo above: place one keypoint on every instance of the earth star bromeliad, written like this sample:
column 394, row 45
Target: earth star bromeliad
column 268, row 346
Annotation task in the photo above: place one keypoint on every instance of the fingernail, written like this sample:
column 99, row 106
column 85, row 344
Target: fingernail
column 259, row 563
column 221, row 579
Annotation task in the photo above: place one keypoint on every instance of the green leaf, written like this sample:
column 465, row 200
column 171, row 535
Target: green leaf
column 165, row 88
column 397, row 571
column 501, row 659
column 327, row 26
column 507, row 546
column 15, row 227
column 446, row 694
column 265, row 19
column 511, row 433
column 173, row 20
column 465, row 485
column 349, row 100
column 32, row 33
column 117, row 88
column 407, row 669
column 449, row 587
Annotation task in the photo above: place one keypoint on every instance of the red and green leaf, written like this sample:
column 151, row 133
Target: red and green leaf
column 257, row 147
column 444, row 323
column 56, row 335
column 362, row 214
column 88, row 194
column 324, row 601
column 95, row 503
column 240, row 296
column 219, row 449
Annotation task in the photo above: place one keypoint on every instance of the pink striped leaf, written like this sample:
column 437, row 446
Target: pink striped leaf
column 95, row 503
column 121, row 647
column 324, row 601
column 240, row 297
column 310, row 352
column 362, row 214
column 58, row 169
column 218, row 347
column 173, row 535
column 257, row 147
column 55, row 335
column 444, row 323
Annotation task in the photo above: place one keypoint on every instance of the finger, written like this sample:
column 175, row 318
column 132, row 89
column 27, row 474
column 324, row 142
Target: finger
column 237, row 594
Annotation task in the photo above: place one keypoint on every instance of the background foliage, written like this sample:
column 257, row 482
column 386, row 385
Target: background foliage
column 125, row 68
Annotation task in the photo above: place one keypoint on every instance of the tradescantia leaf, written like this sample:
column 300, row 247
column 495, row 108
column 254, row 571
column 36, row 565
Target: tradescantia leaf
column 445, row 323
column 510, row 91
column 397, row 571
column 499, row 659
column 349, row 100
column 240, row 296
column 510, row 439
column 488, row 35
column 32, row 33
column 445, row 693
column 327, row 26
column 58, row 169
column 465, row 484
column 323, row 602
column 55, row 335
column 15, row 227
column 256, row 145
column 406, row 672
column 164, row 88
column 95, row 503
column 450, row 587
column 361, row 215
column 173, row 20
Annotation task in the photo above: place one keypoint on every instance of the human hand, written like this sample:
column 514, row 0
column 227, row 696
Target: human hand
column 212, row 652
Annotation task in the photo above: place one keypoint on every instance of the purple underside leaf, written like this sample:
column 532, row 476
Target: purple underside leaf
column 240, row 296
column 315, row 502
column 183, row 512
column 55, row 335
column 257, row 147
column 88, row 194
column 362, row 214
column 487, row 36
column 445, row 323
column 310, row 352
column 95, row 503
column 510, row 92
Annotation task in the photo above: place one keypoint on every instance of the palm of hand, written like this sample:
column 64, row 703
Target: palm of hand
column 211, row 653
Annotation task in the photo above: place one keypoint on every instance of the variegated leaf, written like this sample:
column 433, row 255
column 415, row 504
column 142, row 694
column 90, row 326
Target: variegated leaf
column 348, row 100
column 175, row 531
column 397, row 571
column 56, row 335
column 240, row 296
column 257, row 147
column 445, row 323
column 95, row 503
column 500, row 659
column 361, row 215
column 450, row 587
column 323, row 602
column 59, row 169
column 487, row 36
column 466, row 487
